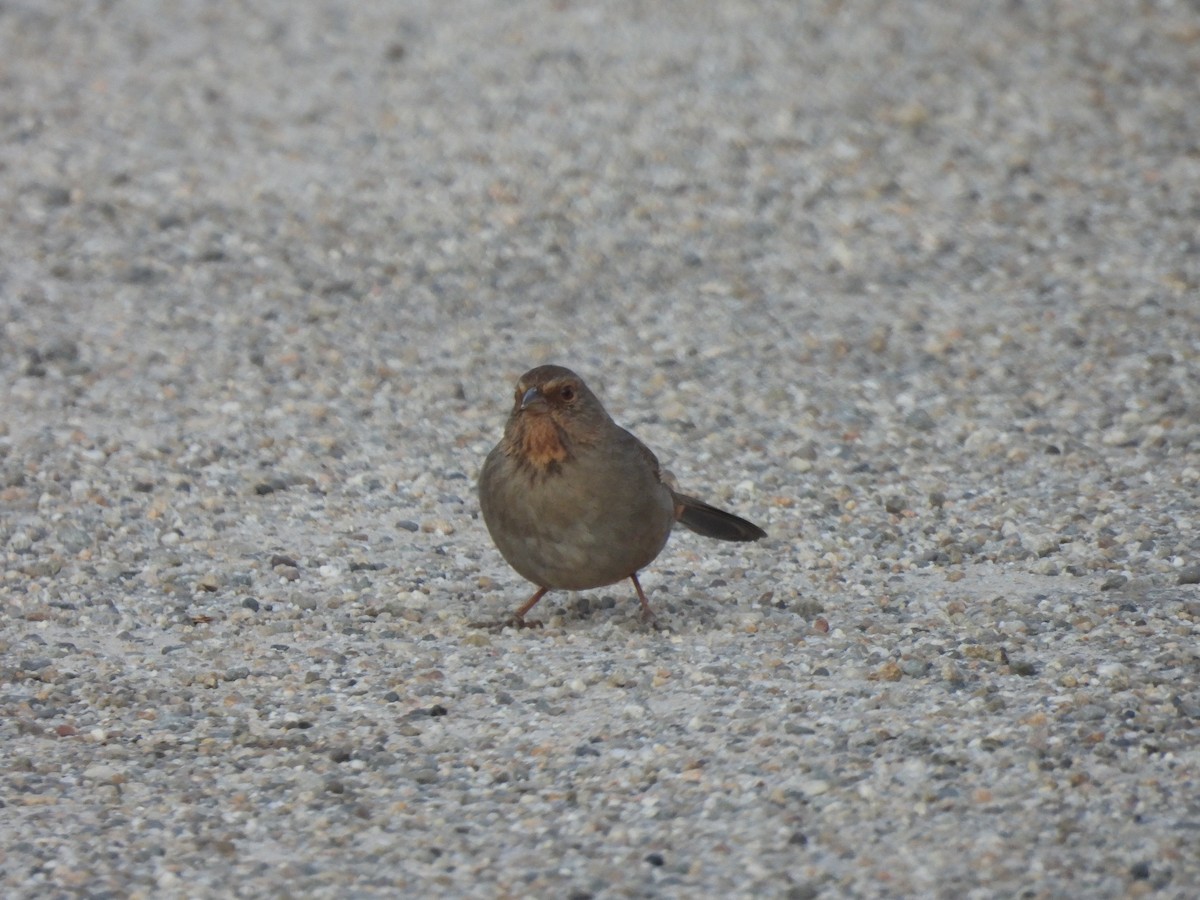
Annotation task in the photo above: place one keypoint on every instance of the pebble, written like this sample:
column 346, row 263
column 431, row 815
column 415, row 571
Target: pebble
column 1189, row 575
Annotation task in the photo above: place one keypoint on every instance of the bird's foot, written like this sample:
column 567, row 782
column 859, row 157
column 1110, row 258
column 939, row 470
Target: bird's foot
column 497, row 625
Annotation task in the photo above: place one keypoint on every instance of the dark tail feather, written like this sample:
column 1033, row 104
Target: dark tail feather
column 714, row 523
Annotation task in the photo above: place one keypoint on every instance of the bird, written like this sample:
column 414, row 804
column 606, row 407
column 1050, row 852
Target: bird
column 573, row 501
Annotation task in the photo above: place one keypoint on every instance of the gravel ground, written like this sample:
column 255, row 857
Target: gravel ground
column 914, row 285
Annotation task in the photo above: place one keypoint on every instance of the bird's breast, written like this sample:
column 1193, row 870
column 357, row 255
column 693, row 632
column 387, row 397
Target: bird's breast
column 541, row 444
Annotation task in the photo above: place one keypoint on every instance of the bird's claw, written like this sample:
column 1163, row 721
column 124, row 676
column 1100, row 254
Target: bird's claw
column 498, row 625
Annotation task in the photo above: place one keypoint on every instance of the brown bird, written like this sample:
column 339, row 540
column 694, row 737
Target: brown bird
column 574, row 501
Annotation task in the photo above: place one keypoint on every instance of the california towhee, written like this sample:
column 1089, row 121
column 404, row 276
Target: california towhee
column 574, row 501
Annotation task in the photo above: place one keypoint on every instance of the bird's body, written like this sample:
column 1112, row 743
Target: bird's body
column 572, row 533
column 573, row 501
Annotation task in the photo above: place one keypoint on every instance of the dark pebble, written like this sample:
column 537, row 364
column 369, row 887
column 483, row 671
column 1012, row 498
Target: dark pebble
column 271, row 485
column 61, row 350
column 1022, row 667
column 56, row 196
column 920, row 420
column 1189, row 575
column 144, row 275
column 803, row 892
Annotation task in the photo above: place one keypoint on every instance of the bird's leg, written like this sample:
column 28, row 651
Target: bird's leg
column 518, row 618
column 647, row 612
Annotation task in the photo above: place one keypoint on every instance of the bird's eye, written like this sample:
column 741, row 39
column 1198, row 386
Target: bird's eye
column 567, row 393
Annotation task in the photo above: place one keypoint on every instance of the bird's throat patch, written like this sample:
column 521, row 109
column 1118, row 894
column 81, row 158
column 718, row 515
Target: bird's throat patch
column 541, row 443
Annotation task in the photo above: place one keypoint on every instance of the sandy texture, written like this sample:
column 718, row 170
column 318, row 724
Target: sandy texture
column 916, row 286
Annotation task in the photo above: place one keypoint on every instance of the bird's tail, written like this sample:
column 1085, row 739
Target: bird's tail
column 711, row 522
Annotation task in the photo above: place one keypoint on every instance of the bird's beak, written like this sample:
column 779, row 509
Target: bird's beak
column 532, row 397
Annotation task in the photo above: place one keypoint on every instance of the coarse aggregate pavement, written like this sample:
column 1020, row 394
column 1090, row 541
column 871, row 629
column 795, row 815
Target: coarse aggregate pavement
column 914, row 286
